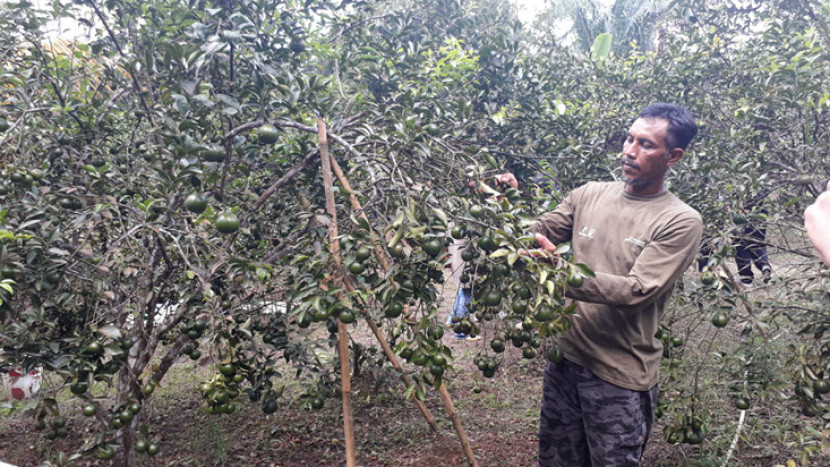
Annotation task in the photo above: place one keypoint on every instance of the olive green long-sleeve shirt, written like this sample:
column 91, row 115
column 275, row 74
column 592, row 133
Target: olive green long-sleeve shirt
column 638, row 246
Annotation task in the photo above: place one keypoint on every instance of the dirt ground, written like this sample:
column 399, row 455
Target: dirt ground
column 500, row 420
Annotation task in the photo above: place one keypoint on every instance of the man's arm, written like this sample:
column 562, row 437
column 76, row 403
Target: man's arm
column 557, row 225
column 817, row 223
column 655, row 271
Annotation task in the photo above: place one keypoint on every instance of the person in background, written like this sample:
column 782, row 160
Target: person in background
column 751, row 246
column 817, row 223
column 460, row 308
column 749, row 241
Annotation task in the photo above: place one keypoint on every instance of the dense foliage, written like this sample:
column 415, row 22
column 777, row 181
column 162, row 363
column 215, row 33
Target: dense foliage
column 161, row 192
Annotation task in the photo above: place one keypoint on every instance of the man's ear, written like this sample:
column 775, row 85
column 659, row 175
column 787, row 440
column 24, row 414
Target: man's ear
column 675, row 155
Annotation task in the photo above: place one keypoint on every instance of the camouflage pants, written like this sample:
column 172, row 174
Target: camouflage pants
column 586, row 421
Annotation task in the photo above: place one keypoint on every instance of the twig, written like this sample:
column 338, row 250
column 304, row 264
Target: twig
column 284, row 179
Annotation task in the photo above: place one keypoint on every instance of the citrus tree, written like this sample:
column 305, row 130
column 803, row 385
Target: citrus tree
column 146, row 214
column 162, row 195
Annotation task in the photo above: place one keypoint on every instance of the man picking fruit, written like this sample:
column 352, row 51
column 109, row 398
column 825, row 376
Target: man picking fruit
column 638, row 238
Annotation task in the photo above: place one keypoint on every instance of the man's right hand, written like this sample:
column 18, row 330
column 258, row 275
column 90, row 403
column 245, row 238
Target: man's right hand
column 507, row 178
column 546, row 250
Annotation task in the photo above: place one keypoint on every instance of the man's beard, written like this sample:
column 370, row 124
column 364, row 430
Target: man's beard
column 633, row 182
column 636, row 182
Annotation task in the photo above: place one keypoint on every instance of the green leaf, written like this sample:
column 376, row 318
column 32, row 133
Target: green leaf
column 499, row 253
column 585, row 270
column 409, row 391
column 601, row 46
column 182, row 106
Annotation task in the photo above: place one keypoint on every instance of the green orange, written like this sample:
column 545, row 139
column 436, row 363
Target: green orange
column 227, row 222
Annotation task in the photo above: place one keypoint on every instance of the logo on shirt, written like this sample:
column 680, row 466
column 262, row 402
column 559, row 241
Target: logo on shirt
column 587, row 232
column 635, row 241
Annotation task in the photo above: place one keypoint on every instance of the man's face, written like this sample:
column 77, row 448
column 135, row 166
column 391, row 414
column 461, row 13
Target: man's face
column 646, row 157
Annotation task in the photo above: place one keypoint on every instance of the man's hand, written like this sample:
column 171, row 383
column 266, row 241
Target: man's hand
column 546, row 250
column 505, row 178
column 817, row 223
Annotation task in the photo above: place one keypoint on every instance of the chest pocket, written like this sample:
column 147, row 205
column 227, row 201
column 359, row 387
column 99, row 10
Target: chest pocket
column 628, row 252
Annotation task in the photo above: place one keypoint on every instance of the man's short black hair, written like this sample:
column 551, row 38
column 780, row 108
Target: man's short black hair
column 682, row 127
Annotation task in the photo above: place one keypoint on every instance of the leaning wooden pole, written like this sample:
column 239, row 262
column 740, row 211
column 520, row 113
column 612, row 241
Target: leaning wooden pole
column 445, row 395
column 456, row 423
column 397, row 366
column 747, row 306
column 356, row 206
column 342, row 333
column 387, row 349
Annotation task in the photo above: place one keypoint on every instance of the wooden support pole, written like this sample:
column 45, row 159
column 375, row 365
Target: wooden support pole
column 341, row 177
column 445, row 395
column 387, row 349
column 456, row 423
column 397, row 366
column 742, row 297
column 342, row 332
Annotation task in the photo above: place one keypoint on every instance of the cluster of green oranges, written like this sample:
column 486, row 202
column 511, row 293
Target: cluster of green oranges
column 123, row 414
column 91, row 361
column 221, row 393
column 430, row 354
column 332, row 309
column 142, row 446
column 359, row 262
column 528, row 311
column 669, row 341
column 691, row 430
column 811, row 385
column 19, row 177
column 150, row 447
column 486, row 364
column 57, row 429
column 194, row 330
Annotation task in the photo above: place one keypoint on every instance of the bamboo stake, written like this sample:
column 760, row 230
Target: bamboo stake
column 734, row 282
column 342, row 333
column 445, row 395
column 387, row 349
column 397, row 366
column 456, row 422
column 358, row 208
